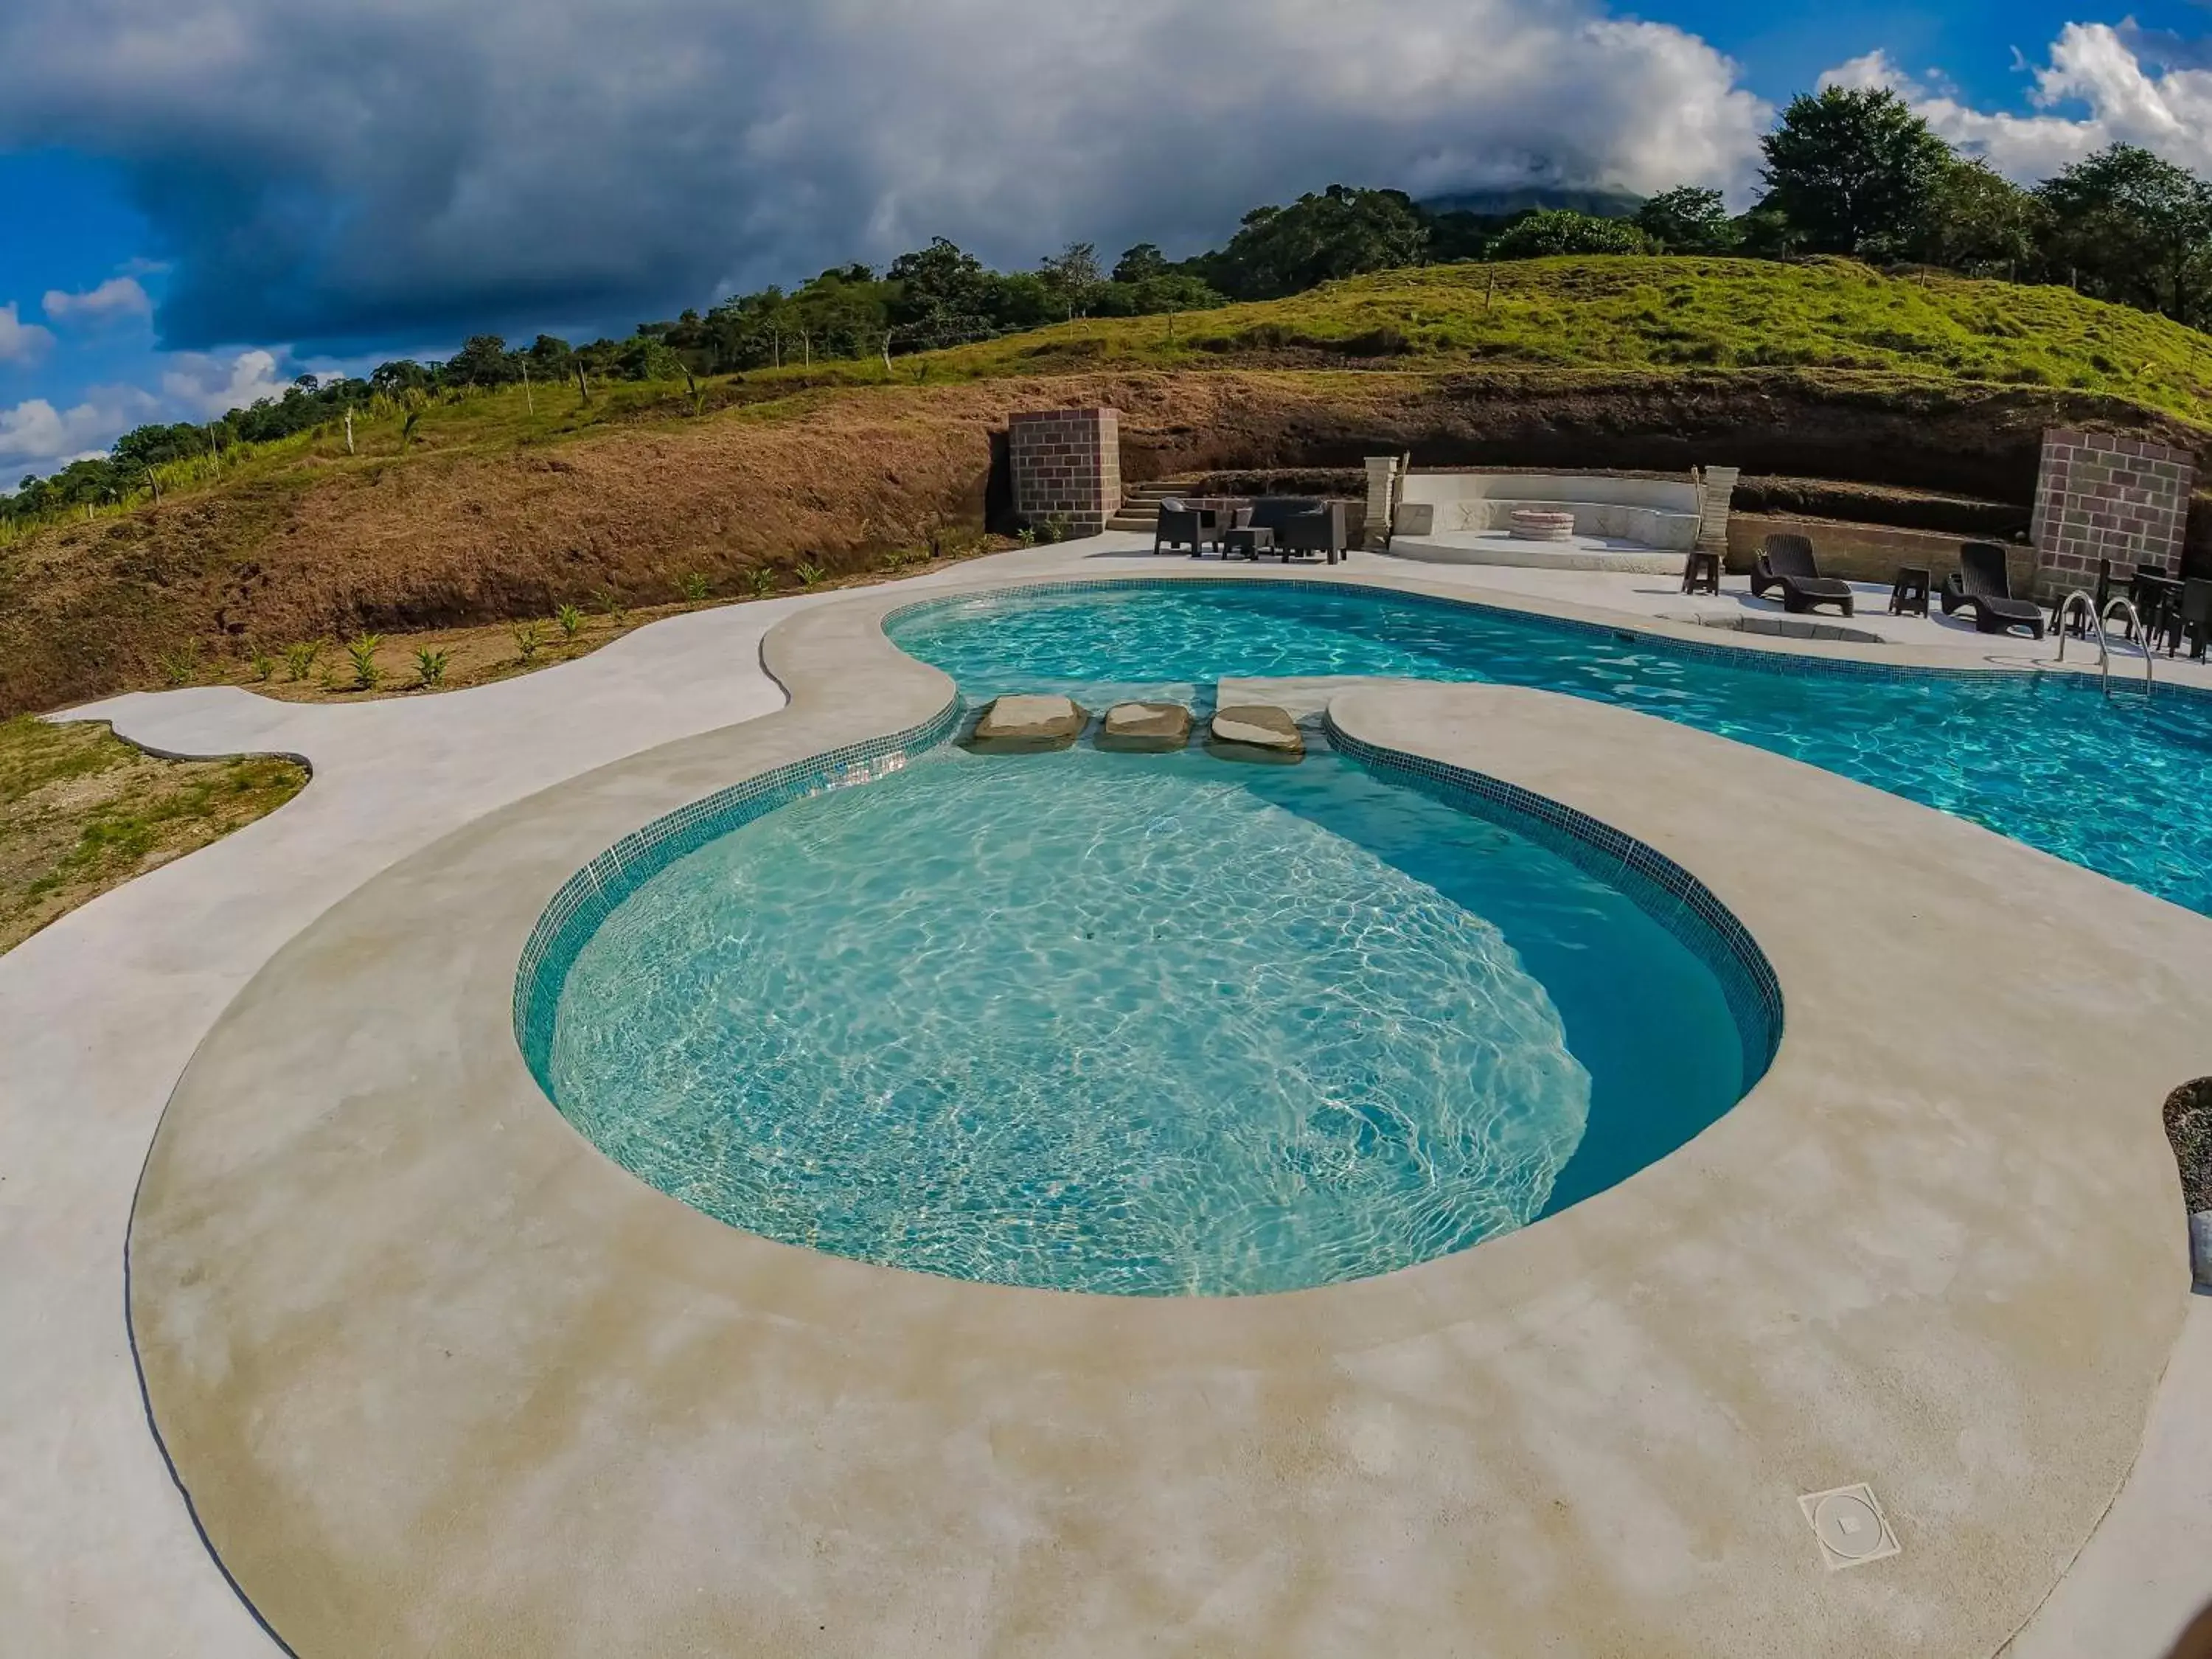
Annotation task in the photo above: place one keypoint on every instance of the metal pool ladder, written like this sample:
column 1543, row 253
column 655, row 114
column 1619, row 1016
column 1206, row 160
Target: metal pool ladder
column 2118, row 602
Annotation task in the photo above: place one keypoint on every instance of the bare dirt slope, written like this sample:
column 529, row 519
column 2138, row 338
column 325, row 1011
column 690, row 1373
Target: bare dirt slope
column 445, row 538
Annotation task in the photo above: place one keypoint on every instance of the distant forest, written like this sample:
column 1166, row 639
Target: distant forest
column 1846, row 172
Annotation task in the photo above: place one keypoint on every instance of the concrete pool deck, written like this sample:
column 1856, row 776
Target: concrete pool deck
column 98, row 1014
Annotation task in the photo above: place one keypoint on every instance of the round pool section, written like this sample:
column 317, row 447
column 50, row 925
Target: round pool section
column 1134, row 1024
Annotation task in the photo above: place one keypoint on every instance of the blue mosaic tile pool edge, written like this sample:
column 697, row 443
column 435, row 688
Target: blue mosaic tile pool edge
column 587, row 898
column 1654, row 883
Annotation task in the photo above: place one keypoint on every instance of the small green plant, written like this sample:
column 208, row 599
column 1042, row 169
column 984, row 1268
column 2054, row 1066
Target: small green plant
column 368, row 675
column 181, row 663
column 611, row 604
column 762, row 580
column 300, row 659
column 263, row 665
column 430, row 667
column 1026, row 536
column 528, row 638
column 1056, row 527
column 694, row 587
column 896, row 559
column 569, row 619
column 810, row 574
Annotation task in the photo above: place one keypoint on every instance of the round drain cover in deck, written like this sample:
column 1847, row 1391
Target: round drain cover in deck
column 1847, row 1525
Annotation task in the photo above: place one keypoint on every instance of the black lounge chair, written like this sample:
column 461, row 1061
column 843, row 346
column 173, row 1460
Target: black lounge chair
column 1982, row 585
column 1787, row 562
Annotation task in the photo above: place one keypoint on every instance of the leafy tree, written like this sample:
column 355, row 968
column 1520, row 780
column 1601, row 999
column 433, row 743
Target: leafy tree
column 1028, row 299
column 2127, row 226
column 1142, row 264
column 1074, row 277
column 1562, row 230
column 1687, row 219
column 1853, row 170
column 1979, row 221
column 1341, row 232
column 482, row 361
column 404, row 375
column 943, row 294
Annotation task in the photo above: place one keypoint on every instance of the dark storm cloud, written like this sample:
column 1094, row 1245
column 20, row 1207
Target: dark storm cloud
column 328, row 175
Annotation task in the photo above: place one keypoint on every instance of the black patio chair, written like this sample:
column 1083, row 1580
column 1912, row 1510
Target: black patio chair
column 1982, row 585
column 1786, row 562
column 1324, row 532
column 1181, row 526
column 2196, row 616
column 2080, row 625
column 1274, row 518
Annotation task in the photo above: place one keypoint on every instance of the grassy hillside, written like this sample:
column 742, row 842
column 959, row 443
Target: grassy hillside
column 503, row 504
column 1659, row 315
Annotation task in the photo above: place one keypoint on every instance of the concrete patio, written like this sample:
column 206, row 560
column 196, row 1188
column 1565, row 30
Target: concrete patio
column 101, row 1014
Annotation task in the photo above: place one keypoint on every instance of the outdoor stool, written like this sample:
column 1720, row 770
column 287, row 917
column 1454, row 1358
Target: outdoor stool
column 1908, row 595
column 1702, row 574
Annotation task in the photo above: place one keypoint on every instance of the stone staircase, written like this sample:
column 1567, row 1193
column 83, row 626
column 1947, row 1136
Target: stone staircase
column 1140, row 508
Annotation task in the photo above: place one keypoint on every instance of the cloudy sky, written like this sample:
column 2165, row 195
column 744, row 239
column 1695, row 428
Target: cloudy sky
column 200, row 199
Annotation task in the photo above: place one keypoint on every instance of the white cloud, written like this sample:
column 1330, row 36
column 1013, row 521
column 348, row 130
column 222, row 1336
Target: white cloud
column 37, row 436
column 433, row 169
column 2116, row 94
column 208, row 385
column 21, row 342
column 118, row 296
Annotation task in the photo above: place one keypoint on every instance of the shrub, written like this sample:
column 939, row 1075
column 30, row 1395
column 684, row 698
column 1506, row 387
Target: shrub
column 616, row 612
column 1561, row 230
column 263, row 665
column 363, row 649
column 693, row 587
column 528, row 638
column 299, row 658
column 762, row 580
column 810, row 573
column 429, row 667
column 181, row 663
column 569, row 620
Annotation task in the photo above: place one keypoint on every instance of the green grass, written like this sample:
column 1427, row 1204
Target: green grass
column 85, row 812
column 1655, row 315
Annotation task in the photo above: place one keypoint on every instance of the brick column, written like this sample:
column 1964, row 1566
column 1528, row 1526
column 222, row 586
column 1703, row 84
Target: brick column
column 1066, row 465
column 2101, row 497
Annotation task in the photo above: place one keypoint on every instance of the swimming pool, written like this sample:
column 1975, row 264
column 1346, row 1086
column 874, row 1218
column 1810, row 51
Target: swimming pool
column 2121, row 786
column 1138, row 1024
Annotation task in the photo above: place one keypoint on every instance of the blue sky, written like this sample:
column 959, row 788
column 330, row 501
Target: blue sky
column 209, row 196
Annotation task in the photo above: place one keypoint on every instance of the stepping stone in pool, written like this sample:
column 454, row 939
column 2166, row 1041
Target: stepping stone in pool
column 1028, row 725
column 1256, row 731
column 1156, row 727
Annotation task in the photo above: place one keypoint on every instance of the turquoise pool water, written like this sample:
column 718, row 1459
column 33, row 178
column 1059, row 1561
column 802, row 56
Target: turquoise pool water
column 2123, row 786
column 1136, row 1024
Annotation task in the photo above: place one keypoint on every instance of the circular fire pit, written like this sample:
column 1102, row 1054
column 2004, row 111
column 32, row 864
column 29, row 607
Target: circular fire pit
column 1534, row 525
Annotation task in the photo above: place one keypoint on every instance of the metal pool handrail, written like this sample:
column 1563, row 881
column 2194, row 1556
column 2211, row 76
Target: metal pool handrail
column 2136, row 631
column 2104, row 645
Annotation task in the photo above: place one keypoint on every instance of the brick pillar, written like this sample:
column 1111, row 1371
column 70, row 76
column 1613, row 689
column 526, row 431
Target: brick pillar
column 1066, row 465
column 2100, row 496
column 1382, row 497
column 1716, row 495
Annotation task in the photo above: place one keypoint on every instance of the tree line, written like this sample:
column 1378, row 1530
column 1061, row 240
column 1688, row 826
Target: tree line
column 1846, row 171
